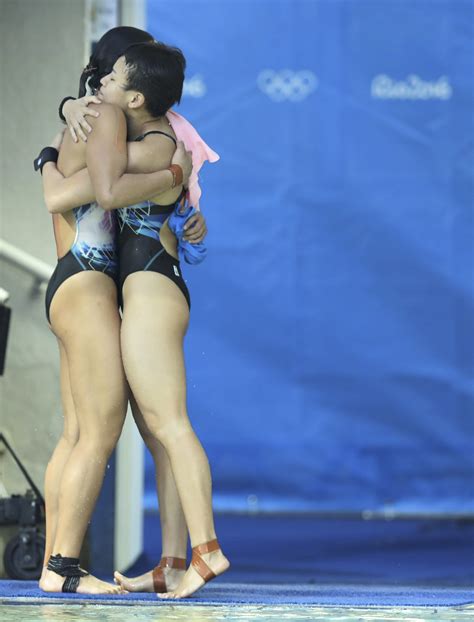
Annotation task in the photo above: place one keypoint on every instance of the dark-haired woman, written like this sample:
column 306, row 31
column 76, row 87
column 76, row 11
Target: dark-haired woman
column 167, row 574
column 171, row 567
column 156, row 302
column 82, row 308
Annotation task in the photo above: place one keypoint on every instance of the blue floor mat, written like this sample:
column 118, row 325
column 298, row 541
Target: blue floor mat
column 310, row 550
column 303, row 560
column 227, row 594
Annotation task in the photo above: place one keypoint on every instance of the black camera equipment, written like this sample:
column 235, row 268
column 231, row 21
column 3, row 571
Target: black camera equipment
column 23, row 555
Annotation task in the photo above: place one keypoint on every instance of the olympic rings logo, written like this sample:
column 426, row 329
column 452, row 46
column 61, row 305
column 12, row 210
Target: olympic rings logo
column 287, row 85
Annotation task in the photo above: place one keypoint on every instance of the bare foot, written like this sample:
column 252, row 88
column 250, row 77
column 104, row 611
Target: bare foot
column 192, row 580
column 52, row 582
column 144, row 583
column 41, row 579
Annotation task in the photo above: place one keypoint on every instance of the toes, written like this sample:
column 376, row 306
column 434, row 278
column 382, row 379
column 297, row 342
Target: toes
column 120, row 581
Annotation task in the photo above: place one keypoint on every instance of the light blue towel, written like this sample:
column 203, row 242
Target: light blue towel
column 190, row 253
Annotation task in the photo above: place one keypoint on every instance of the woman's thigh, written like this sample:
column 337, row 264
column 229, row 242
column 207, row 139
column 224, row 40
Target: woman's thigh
column 85, row 318
column 154, row 323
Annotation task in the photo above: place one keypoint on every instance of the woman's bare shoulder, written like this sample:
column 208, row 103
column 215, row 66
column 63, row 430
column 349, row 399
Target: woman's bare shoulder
column 108, row 114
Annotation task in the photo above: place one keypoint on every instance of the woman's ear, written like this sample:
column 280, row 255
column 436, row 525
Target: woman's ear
column 137, row 101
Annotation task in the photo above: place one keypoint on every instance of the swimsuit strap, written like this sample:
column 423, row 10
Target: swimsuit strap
column 139, row 138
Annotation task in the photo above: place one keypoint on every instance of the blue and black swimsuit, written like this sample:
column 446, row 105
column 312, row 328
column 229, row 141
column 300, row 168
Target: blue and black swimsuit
column 139, row 245
column 94, row 248
column 119, row 243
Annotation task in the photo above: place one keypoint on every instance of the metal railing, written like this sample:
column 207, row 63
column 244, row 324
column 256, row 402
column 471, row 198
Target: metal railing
column 39, row 270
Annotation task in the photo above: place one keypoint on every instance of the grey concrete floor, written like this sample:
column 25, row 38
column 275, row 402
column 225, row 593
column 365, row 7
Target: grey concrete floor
column 172, row 613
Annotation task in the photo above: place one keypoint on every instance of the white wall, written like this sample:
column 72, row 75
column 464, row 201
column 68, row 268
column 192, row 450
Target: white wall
column 41, row 56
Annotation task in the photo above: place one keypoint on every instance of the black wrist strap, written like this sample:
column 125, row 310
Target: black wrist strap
column 48, row 154
column 61, row 116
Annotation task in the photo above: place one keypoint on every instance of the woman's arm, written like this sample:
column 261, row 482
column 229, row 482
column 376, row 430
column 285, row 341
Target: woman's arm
column 106, row 158
column 62, row 194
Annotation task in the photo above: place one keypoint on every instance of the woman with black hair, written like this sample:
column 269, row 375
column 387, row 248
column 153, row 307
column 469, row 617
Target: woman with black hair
column 84, row 286
column 155, row 298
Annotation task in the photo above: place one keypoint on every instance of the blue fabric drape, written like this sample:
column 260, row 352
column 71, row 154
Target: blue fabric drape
column 331, row 346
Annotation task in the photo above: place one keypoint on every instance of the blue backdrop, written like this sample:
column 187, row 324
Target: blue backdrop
column 330, row 352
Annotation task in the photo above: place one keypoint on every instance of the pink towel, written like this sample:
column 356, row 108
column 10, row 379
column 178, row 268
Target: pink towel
column 201, row 152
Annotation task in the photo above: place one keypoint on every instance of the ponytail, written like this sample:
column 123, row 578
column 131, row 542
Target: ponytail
column 89, row 75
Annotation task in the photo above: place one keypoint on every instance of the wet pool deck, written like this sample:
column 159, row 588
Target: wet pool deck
column 22, row 600
column 246, row 613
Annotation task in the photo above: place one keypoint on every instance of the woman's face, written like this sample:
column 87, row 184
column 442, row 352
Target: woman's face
column 113, row 88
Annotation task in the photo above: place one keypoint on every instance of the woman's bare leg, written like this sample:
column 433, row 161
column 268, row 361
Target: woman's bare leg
column 154, row 323
column 55, row 468
column 85, row 318
column 174, row 533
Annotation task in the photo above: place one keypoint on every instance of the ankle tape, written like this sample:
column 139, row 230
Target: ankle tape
column 67, row 567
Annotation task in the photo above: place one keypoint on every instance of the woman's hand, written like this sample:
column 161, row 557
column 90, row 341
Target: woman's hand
column 75, row 112
column 58, row 139
column 184, row 159
column 196, row 229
